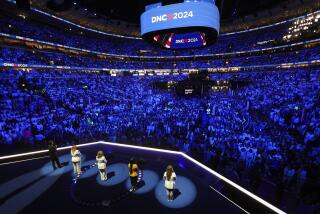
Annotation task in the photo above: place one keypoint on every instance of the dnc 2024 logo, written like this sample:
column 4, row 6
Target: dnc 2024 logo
column 172, row 16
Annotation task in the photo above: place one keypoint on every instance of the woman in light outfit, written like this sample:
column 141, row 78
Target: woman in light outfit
column 76, row 160
column 102, row 164
column 169, row 181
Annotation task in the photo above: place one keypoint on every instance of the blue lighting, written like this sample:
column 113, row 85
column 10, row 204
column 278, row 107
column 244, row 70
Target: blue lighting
column 117, row 173
column 88, row 173
column 64, row 159
column 23, row 180
column 181, row 165
column 149, row 182
column 19, row 201
column 184, row 194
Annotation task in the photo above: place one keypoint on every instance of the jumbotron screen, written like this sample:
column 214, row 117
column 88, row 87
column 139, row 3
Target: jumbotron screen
column 181, row 40
column 193, row 23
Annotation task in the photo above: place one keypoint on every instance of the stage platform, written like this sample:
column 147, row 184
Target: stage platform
column 28, row 184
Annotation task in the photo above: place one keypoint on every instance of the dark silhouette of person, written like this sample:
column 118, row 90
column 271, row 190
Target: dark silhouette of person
column 53, row 155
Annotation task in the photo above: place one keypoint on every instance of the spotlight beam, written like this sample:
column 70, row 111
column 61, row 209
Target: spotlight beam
column 243, row 190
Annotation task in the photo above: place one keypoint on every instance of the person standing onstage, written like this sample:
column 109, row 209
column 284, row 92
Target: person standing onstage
column 53, row 155
column 102, row 164
column 133, row 173
column 169, row 178
column 76, row 160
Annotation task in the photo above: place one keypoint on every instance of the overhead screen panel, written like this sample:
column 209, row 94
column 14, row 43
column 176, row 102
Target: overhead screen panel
column 181, row 25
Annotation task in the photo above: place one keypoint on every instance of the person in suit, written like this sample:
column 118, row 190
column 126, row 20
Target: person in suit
column 53, row 155
column 102, row 165
column 169, row 178
column 133, row 174
column 76, row 160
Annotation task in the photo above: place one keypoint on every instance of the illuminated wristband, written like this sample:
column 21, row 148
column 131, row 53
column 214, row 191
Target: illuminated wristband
column 184, row 25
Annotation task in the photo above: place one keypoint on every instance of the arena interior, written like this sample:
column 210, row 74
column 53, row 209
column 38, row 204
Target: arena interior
column 233, row 107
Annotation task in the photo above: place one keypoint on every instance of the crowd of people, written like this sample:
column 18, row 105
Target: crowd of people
column 35, row 57
column 122, row 46
column 107, row 24
column 269, row 128
column 253, row 40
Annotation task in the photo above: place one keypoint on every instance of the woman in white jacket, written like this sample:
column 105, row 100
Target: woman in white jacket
column 169, row 181
column 76, row 160
column 102, row 165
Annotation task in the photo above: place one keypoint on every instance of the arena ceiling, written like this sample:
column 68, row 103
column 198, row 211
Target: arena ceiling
column 130, row 10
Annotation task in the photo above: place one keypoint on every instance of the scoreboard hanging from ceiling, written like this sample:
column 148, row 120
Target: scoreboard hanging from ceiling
column 191, row 24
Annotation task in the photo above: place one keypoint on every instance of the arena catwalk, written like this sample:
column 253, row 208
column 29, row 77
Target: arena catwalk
column 29, row 184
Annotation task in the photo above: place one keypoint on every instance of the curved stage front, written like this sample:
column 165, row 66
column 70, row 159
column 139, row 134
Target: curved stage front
column 28, row 184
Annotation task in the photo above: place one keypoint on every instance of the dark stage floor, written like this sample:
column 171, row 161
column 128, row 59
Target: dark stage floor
column 33, row 187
